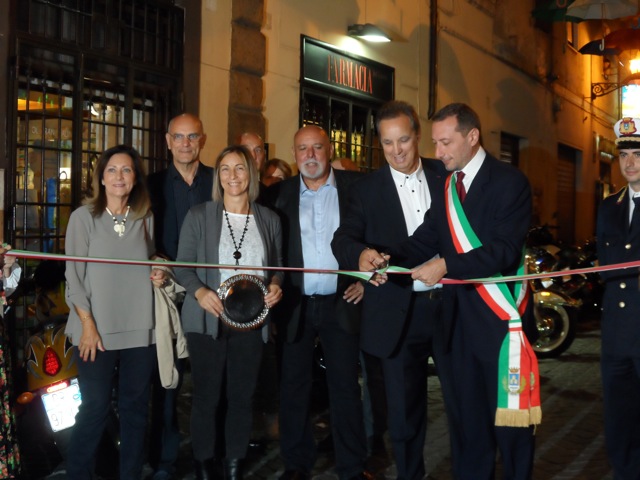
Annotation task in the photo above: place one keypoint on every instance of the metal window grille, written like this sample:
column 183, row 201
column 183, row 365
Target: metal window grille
column 88, row 75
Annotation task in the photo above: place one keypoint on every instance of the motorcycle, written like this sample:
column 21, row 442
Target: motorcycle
column 555, row 307
column 51, row 370
column 556, row 317
column 52, row 395
column 586, row 287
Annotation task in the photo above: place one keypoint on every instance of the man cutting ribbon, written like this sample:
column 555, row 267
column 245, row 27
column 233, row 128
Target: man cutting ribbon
column 490, row 383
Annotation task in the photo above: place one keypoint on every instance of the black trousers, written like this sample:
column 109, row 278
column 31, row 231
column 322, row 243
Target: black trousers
column 405, row 377
column 96, row 379
column 470, row 388
column 341, row 351
column 233, row 358
column 375, row 394
column 621, row 390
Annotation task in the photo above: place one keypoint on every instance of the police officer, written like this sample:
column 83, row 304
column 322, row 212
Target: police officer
column 618, row 234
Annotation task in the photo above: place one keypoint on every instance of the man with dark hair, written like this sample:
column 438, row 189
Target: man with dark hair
column 396, row 109
column 317, row 306
column 618, row 234
column 398, row 320
column 186, row 182
column 477, row 225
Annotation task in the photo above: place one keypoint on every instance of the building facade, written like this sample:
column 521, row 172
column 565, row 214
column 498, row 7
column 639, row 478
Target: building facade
column 86, row 75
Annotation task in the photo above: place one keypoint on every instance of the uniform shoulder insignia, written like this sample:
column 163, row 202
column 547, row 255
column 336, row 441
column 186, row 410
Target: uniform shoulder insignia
column 620, row 193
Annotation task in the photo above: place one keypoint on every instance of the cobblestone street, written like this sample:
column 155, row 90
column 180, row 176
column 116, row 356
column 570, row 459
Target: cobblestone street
column 570, row 441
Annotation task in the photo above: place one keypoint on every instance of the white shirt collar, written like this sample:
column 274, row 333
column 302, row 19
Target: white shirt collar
column 399, row 178
column 632, row 195
column 471, row 169
column 331, row 181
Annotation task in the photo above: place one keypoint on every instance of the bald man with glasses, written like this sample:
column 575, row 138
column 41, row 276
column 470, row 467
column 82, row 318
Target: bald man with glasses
column 186, row 182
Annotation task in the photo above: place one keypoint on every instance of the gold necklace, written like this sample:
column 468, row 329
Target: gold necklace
column 119, row 227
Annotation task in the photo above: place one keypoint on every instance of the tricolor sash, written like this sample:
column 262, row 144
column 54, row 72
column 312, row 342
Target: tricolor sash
column 518, row 376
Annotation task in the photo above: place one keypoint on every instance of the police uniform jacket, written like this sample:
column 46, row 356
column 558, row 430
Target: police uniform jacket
column 621, row 305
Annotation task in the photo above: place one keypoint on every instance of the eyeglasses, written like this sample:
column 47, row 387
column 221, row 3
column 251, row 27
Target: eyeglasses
column 179, row 137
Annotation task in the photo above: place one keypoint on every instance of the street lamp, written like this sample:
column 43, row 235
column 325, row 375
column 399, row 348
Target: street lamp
column 368, row 32
column 599, row 89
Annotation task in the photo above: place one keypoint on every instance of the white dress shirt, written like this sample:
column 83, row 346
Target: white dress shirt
column 471, row 169
column 415, row 199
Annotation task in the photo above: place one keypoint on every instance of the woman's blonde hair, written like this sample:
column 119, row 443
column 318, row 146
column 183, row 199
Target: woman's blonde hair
column 254, row 177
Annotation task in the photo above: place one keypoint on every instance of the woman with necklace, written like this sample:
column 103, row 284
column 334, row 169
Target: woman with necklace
column 230, row 230
column 111, row 319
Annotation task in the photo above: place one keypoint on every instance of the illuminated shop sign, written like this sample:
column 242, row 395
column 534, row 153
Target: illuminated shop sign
column 333, row 69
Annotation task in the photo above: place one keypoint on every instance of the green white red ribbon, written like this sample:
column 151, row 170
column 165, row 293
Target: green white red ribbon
column 27, row 254
column 518, row 376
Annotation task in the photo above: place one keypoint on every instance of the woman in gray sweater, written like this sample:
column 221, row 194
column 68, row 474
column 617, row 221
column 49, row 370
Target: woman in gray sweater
column 111, row 310
column 232, row 229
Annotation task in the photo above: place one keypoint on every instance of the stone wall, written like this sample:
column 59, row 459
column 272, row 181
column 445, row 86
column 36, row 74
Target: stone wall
column 248, row 66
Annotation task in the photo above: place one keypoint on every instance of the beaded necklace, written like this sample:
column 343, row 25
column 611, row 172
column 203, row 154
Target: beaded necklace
column 237, row 255
column 119, row 227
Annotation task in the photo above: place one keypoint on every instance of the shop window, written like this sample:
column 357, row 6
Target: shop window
column 350, row 126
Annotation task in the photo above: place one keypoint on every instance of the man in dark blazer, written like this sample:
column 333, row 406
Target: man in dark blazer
column 498, row 209
column 618, row 233
column 320, row 306
column 399, row 318
column 186, row 182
